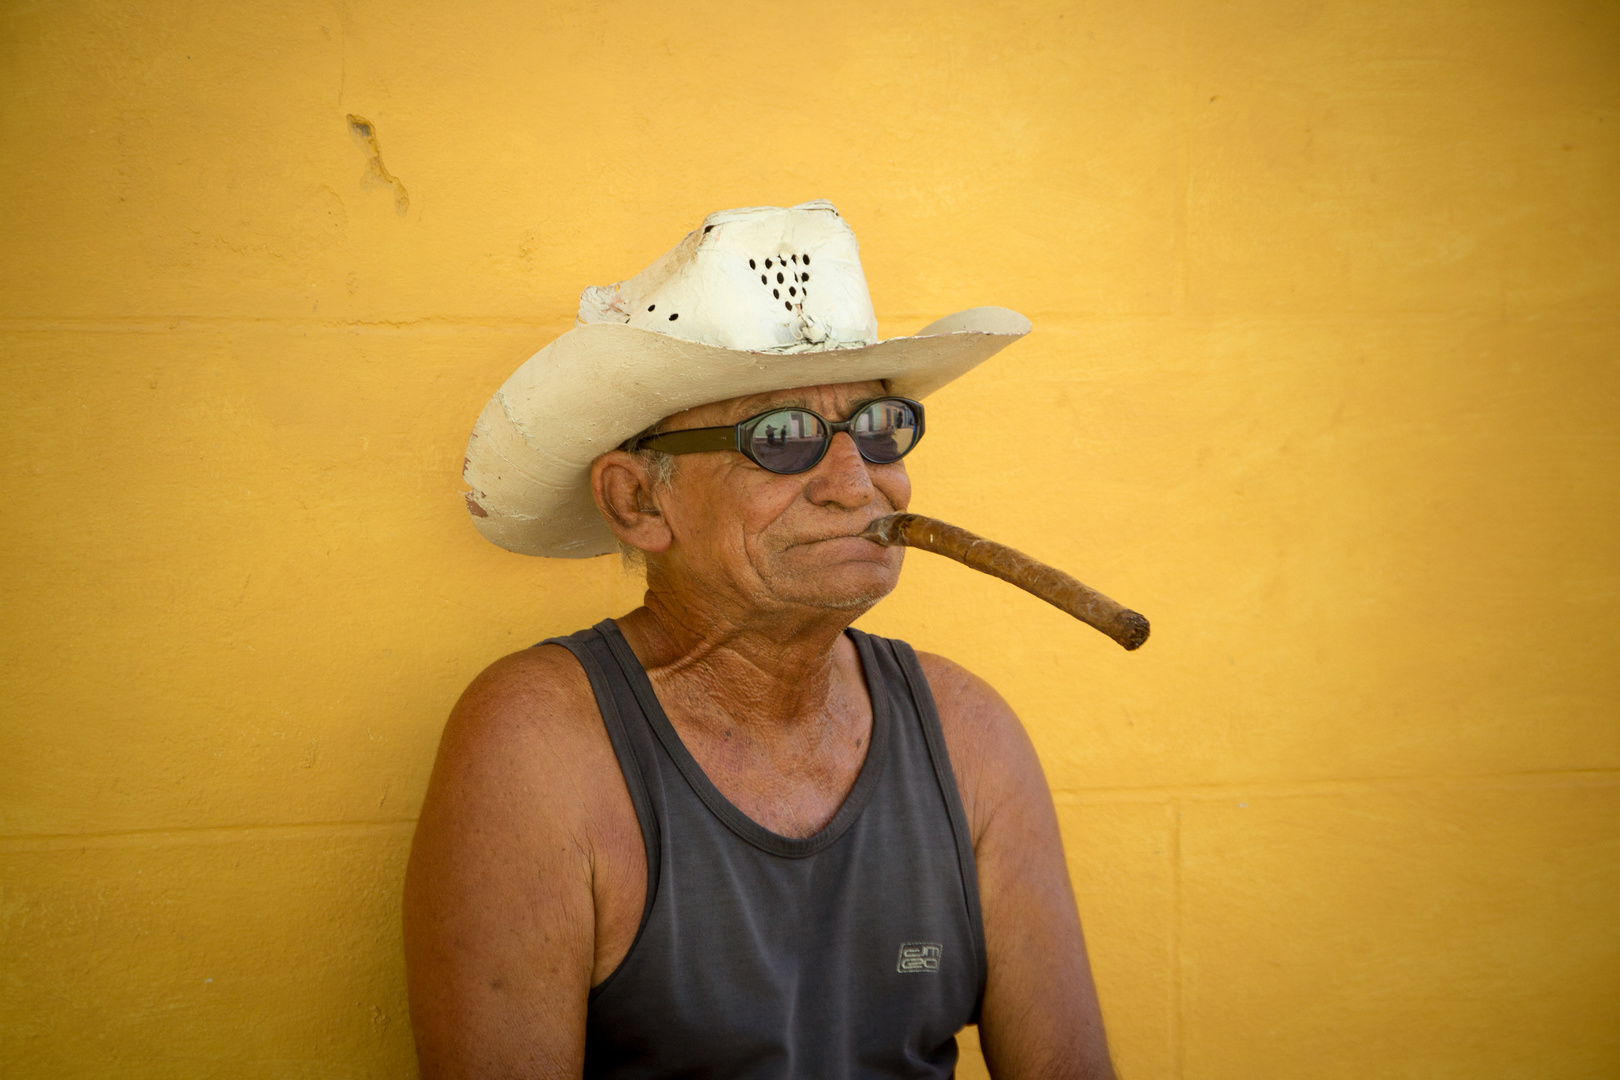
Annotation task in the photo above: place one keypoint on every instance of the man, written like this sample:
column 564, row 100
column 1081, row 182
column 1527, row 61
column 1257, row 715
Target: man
column 726, row 835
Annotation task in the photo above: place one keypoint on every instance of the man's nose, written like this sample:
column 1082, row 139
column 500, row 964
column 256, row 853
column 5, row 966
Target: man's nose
column 841, row 478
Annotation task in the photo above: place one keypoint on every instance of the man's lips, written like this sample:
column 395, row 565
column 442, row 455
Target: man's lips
column 837, row 536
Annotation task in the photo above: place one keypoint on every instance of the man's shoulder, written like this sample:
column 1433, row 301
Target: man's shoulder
column 990, row 751
column 532, row 709
column 545, row 675
column 957, row 688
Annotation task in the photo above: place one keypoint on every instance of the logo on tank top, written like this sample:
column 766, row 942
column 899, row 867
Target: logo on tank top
column 919, row 956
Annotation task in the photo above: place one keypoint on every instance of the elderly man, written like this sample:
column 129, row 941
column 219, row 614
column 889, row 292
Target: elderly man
column 726, row 835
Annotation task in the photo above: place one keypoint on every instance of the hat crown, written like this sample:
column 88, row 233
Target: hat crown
column 759, row 278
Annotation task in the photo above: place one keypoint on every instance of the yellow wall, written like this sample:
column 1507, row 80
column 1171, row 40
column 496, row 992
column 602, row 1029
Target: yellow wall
column 1325, row 380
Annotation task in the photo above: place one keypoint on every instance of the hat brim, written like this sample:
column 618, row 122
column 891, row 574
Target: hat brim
column 529, row 459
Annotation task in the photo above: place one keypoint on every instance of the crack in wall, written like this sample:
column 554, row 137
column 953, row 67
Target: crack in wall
column 365, row 135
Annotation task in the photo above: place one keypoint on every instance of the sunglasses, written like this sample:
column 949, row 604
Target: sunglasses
column 793, row 440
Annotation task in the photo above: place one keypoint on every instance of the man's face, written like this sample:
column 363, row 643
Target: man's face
column 777, row 539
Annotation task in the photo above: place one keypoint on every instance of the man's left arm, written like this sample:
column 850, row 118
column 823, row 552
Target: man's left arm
column 1040, row 1017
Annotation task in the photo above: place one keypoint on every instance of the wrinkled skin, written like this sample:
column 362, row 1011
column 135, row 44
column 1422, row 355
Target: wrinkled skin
column 527, row 876
column 777, row 546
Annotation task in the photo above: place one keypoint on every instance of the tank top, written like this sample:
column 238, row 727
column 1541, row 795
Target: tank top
column 856, row 952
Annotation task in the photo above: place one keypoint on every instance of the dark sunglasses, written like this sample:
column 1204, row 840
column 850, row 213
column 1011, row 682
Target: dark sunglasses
column 792, row 440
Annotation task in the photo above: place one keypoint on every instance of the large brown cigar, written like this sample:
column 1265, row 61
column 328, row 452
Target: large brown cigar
column 1049, row 583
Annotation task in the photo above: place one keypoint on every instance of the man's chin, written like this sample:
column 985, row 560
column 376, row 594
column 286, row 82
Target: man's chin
column 811, row 578
column 842, row 595
column 849, row 602
column 840, row 588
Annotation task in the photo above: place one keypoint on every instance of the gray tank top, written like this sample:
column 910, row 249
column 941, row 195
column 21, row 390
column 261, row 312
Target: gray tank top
column 856, row 952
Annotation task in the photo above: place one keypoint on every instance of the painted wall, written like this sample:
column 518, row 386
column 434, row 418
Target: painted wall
column 1325, row 380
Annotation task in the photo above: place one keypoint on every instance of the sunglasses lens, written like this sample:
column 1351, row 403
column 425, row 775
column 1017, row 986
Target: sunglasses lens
column 885, row 430
column 788, row 440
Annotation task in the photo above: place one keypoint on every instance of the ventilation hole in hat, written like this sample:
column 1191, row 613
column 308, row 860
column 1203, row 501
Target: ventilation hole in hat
column 650, row 307
column 751, row 265
column 675, row 316
column 804, row 276
column 777, row 293
column 767, row 264
column 792, row 291
column 763, row 280
column 807, row 260
column 787, row 305
column 779, row 279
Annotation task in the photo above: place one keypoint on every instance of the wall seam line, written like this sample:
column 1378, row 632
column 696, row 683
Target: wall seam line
column 1287, row 789
column 20, row 841
column 1177, row 993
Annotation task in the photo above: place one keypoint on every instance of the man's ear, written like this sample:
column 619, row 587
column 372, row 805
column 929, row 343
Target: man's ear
column 628, row 499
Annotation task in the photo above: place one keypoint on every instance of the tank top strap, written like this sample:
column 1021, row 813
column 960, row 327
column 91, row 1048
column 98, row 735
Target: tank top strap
column 614, row 699
column 904, row 658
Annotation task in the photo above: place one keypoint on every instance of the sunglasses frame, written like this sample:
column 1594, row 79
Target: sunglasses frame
column 739, row 436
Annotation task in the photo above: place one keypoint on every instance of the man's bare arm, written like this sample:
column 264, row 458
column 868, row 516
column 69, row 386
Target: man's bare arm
column 1040, row 1017
column 499, row 911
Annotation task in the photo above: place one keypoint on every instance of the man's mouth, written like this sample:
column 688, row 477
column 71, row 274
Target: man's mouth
column 834, row 536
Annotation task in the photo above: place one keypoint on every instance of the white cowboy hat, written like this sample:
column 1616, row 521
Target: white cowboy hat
column 758, row 299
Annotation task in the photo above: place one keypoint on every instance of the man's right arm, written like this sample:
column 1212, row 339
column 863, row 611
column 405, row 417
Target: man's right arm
column 499, row 909
column 1040, row 1017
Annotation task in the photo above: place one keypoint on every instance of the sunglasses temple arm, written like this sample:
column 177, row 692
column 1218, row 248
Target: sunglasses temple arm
column 1125, row 626
column 691, row 441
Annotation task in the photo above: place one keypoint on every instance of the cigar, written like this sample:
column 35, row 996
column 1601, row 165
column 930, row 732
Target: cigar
column 998, row 560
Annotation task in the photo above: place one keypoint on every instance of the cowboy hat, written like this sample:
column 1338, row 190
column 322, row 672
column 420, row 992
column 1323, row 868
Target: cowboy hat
column 756, row 300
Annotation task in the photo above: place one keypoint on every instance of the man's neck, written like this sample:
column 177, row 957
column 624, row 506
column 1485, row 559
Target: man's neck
column 772, row 669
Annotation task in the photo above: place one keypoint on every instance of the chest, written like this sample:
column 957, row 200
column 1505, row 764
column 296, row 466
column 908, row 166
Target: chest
column 855, row 949
column 789, row 777
column 857, row 959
